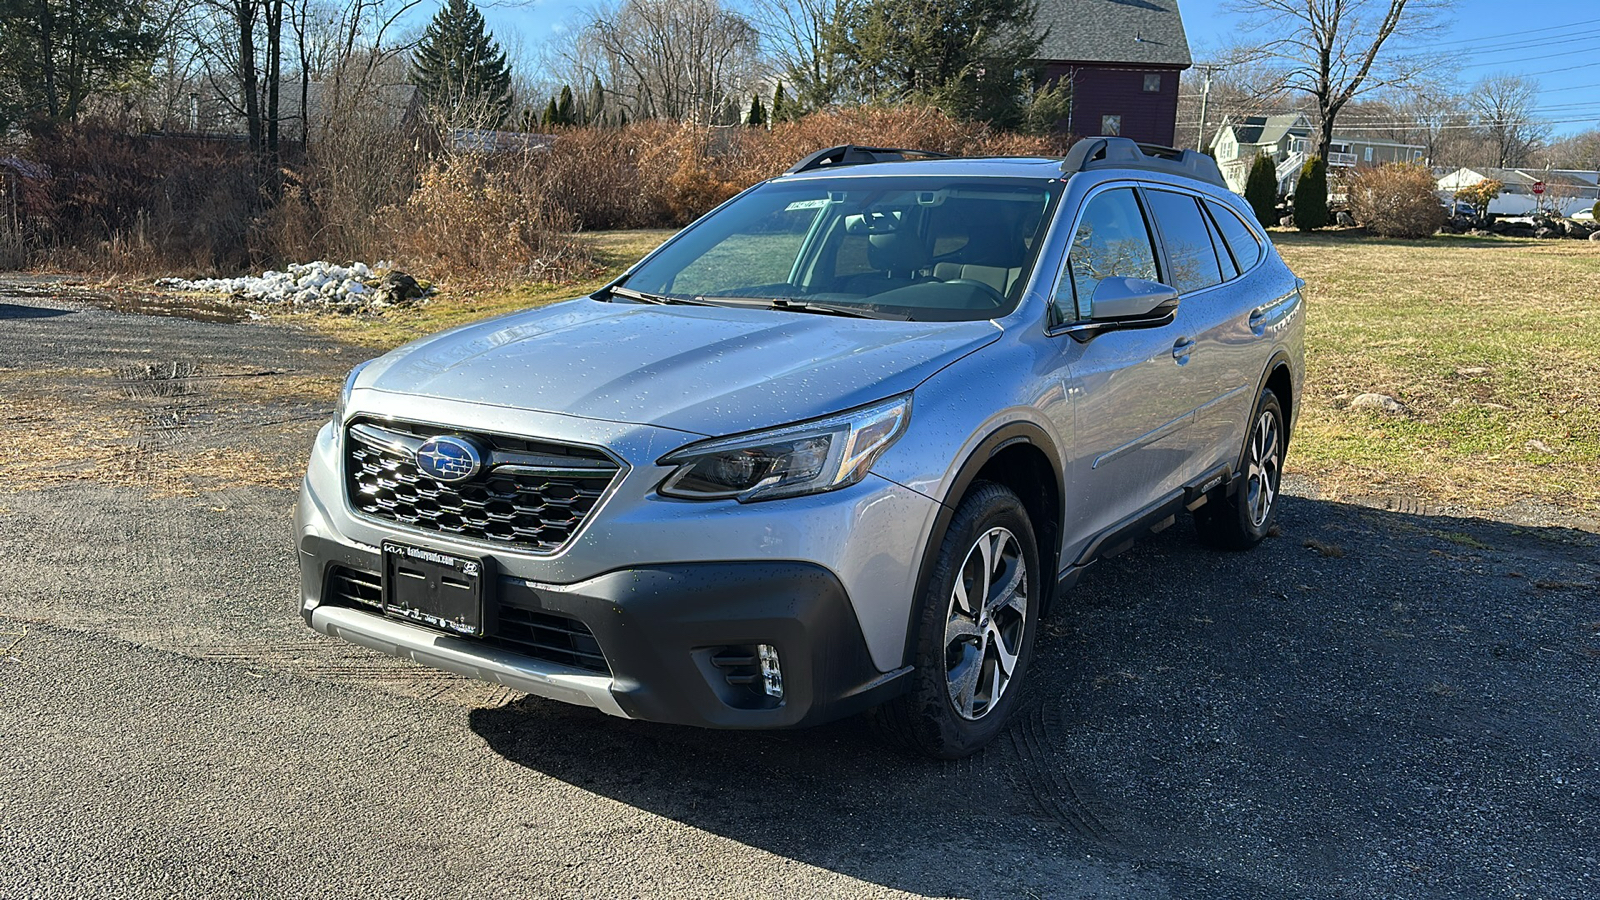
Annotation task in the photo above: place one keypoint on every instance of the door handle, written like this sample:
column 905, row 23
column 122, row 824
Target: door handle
column 1256, row 318
column 1182, row 349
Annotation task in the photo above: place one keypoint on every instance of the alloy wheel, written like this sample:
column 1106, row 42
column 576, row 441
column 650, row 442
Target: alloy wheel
column 1262, row 468
column 986, row 622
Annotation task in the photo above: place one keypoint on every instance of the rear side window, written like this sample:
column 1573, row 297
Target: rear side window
column 1112, row 240
column 1241, row 241
column 1191, row 259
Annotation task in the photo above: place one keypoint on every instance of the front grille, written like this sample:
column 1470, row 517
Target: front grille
column 347, row 587
column 533, row 633
column 528, row 494
column 552, row 638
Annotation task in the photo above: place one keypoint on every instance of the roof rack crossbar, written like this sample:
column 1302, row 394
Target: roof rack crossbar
column 1124, row 153
column 851, row 155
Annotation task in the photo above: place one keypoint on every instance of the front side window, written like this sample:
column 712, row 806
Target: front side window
column 1112, row 240
column 1191, row 260
column 926, row 248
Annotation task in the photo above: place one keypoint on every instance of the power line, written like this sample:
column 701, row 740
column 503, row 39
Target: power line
column 1581, row 51
column 1543, row 42
column 1512, row 34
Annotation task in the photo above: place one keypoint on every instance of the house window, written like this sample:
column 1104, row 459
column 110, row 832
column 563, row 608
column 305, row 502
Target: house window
column 1152, row 83
column 1111, row 126
column 1369, row 154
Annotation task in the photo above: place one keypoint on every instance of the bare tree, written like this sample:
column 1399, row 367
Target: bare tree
column 798, row 46
column 1240, row 86
column 1503, row 105
column 1334, row 51
column 673, row 59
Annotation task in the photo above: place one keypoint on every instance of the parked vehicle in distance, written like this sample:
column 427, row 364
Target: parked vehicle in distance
column 836, row 446
column 1583, row 215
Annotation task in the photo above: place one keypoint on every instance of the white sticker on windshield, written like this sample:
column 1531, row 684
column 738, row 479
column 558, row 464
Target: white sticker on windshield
column 806, row 204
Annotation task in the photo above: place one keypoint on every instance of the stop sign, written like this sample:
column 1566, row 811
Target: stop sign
column 1538, row 187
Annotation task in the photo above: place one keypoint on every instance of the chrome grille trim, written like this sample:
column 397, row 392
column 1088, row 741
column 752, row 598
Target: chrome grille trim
column 531, row 495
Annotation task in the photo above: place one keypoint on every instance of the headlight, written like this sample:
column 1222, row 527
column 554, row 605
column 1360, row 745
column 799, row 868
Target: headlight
column 809, row 458
column 344, row 394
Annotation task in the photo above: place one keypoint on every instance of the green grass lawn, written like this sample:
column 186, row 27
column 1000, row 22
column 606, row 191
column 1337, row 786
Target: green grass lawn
column 1492, row 344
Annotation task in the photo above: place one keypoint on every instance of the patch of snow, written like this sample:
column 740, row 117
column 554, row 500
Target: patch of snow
column 319, row 284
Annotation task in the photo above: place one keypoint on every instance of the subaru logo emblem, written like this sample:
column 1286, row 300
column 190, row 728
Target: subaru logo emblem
column 449, row 459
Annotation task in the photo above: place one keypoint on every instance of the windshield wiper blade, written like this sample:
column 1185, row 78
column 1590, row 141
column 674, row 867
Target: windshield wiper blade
column 829, row 309
column 659, row 299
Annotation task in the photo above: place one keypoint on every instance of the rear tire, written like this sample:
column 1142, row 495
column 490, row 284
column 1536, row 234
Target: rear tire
column 977, row 616
column 1242, row 521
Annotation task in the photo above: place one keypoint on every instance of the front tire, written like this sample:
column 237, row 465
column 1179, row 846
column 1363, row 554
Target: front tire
column 1242, row 521
column 978, row 614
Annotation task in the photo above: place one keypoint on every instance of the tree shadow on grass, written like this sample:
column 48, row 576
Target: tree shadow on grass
column 1371, row 703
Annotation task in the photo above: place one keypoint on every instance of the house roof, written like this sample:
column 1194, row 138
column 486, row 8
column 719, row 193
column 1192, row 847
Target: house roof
column 1136, row 32
column 1525, row 177
column 327, row 104
column 486, row 140
column 1268, row 129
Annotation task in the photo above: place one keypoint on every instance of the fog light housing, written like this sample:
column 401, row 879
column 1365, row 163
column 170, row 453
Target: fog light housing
column 771, row 671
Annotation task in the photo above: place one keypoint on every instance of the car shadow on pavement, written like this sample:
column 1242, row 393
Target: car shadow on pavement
column 15, row 311
column 1373, row 702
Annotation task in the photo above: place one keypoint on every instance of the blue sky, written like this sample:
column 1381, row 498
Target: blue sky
column 1556, row 42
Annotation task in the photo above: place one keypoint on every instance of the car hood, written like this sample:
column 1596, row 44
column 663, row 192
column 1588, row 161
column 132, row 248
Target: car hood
column 706, row 370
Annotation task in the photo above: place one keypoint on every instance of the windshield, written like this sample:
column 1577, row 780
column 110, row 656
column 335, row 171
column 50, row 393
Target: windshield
column 926, row 248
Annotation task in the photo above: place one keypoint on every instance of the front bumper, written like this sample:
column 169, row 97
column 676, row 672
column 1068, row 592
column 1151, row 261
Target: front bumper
column 666, row 633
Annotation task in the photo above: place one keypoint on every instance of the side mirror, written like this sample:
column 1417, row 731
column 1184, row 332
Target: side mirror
column 1132, row 301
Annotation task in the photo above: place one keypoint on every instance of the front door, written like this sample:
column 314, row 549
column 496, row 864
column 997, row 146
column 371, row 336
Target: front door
column 1130, row 412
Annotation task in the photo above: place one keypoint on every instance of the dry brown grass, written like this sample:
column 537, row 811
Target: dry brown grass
column 65, row 426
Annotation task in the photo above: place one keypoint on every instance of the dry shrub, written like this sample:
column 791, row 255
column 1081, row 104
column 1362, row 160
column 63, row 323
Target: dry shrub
column 130, row 203
column 372, row 185
column 468, row 220
column 1396, row 200
column 657, row 174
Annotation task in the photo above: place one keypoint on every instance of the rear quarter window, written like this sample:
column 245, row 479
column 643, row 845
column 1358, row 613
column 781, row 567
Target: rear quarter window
column 1241, row 241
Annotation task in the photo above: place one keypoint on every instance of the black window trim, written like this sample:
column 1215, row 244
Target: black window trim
column 1161, row 239
column 1053, row 328
column 1202, row 196
column 1261, row 242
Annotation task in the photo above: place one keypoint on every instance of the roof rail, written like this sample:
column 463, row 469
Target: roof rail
column 1124, row 153
column 851, row 155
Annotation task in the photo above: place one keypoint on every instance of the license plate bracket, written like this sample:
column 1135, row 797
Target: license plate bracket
column 435, row 588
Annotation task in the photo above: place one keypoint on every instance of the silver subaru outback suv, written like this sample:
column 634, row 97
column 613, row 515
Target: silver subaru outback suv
column 837, row 446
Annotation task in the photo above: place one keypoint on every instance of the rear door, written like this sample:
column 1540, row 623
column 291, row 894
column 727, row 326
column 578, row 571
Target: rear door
column 1211, row 317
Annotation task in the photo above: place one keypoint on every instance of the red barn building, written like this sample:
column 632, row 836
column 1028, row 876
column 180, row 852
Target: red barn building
column 1123, row 59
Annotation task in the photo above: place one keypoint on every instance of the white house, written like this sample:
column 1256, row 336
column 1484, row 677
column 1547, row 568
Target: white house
column 1566, row 190
column 1289, row 140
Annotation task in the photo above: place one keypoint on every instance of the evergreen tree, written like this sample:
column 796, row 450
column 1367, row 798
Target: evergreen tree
column 758, row 113
column 55, row 54
column 1261, row 190
column 780, row 105
column 972, row 59
column 460, row 69
column 594, row 106
column 1311, row 196
column 566, row 107
column 551, row 114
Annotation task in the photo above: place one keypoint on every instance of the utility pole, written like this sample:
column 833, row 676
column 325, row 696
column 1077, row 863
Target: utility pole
column 1205, row 101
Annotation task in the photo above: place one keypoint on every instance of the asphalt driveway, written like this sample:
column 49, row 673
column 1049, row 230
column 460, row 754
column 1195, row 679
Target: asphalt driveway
column 1383, row 700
